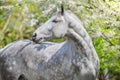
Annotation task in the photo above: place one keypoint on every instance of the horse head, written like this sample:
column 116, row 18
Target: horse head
column 55, row 27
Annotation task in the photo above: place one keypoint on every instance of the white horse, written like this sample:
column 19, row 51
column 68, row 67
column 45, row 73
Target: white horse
column 74, row 59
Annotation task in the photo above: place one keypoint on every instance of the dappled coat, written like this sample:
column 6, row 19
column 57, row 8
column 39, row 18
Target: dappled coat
column 73, row 59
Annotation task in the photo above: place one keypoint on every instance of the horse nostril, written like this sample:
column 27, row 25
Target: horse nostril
column 34, row 36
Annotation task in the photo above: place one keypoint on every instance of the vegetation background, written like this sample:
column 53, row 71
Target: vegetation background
column 101, row 18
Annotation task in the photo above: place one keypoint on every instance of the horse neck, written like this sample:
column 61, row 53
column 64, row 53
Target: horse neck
column 76, row 40
column 81, row 39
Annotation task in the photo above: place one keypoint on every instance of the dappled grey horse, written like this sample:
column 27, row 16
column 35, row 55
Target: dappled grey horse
column 73, row 59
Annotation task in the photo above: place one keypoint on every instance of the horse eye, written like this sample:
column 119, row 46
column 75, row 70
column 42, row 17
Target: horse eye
column 55, row 21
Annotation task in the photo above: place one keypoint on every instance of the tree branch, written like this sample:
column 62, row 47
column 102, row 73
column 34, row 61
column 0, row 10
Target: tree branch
column 6, row 25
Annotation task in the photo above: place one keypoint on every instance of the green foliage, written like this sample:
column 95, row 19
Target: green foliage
column 101, row 18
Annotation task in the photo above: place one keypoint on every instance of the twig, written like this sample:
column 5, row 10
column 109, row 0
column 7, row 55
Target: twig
column 6, row 25
column 106, row 38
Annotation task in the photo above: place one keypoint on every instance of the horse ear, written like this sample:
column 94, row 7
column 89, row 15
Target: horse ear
column 62, row 9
